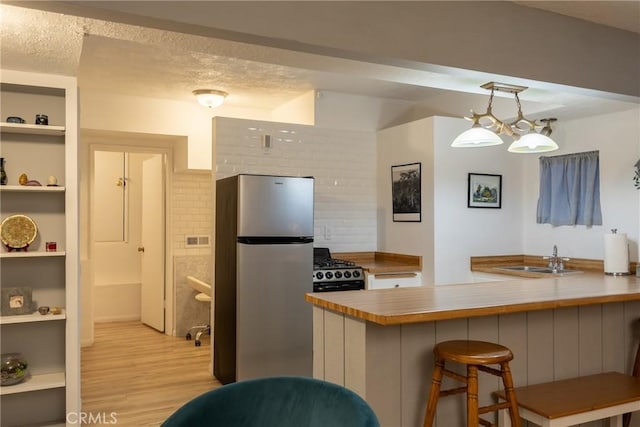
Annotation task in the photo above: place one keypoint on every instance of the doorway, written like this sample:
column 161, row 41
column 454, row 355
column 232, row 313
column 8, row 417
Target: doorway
column 128, row 229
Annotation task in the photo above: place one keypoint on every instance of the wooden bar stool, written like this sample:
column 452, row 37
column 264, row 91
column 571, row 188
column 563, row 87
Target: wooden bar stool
column 475, row 355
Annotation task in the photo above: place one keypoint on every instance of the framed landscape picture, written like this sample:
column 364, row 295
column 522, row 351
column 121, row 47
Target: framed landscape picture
column 406, row 192
column 484, row 191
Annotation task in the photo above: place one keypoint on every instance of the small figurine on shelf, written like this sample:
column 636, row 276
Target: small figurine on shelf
column 52, row 181
column 42, row 119
column 3, row 173
column 24, row 180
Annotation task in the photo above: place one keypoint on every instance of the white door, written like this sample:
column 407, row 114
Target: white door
column 152, row 248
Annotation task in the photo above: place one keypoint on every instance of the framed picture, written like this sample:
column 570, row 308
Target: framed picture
column 16, row 301
column 484, row 191
column 406, row 192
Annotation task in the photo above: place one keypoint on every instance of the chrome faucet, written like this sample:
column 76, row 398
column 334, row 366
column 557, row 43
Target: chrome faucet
column 556, row 263
column 553, row 260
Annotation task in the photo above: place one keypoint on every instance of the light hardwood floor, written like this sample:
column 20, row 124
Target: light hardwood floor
column 140, row 374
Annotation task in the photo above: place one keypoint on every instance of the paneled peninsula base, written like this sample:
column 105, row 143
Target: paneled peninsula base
column 390, row 366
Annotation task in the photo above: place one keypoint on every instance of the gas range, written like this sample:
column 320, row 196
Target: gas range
column 331, row 274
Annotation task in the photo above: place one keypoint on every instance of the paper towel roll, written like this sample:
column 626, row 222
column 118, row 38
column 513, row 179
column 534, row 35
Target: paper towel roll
column 616, row 253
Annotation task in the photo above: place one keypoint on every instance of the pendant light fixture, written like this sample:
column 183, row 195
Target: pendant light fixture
column 487, row 128
column 210, row 98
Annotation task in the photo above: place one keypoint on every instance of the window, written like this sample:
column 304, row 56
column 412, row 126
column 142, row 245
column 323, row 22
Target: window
column 570, row 190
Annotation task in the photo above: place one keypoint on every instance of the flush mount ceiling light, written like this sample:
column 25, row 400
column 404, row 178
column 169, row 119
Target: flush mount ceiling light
column 209, row 97
column 487, row 128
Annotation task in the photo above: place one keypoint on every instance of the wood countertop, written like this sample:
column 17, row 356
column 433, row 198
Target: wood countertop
column 383, row 262
column 429, row 303
column 492, row 264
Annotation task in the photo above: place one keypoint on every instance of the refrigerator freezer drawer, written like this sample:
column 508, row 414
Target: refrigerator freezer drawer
column 275, row 206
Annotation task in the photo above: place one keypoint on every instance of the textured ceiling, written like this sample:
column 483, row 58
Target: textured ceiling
column 134, row 60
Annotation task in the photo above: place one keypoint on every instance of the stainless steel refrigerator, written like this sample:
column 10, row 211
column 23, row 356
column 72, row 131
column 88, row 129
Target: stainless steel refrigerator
column 263, row 268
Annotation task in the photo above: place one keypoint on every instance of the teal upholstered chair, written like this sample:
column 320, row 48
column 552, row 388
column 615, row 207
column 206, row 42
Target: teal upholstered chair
column 276, row 402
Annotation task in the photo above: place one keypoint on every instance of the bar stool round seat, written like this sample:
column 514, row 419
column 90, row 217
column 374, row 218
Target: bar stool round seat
column 473, row 352
column 476, row 355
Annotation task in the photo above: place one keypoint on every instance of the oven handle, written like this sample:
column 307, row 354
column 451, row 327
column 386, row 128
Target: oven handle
column 338, row 286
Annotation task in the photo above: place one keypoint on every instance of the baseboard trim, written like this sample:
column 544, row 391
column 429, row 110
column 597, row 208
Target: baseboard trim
column 123, row 318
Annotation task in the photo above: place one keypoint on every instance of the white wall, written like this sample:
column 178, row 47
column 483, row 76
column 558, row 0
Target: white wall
column 617, row 137
column 113, row 112
column 123, row 253
column 408, row 143
column 357, row 112
column 341, row 161
column 460, row 231
column 450, row 232
column 299, row 110
column 191, row 211
column 117, row 264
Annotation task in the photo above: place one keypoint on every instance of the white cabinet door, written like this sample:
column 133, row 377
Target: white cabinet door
column 393, row 280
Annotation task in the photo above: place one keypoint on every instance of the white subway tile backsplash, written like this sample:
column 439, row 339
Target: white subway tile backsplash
column 342, row 163
column 191, row 210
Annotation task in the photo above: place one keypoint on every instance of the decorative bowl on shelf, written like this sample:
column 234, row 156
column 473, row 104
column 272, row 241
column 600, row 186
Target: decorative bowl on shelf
column 18, row 231
column 14, row 368
column 15, row 119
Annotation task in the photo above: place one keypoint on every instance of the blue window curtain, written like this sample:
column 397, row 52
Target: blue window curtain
column 570, row 190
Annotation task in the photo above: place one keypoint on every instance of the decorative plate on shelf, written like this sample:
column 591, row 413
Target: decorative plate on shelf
column 18, row 231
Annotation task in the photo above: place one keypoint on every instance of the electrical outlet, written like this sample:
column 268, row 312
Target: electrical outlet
column 327, row 232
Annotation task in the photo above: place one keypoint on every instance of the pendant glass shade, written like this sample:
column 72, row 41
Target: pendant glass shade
column 522, row 130
column 477, row 136
column 210, row 98
column 533, row 142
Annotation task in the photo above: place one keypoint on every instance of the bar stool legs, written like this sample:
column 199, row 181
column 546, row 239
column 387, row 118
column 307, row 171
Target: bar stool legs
column 475, row 355
column 472, row 396
column 507, row 381
column 434, row 393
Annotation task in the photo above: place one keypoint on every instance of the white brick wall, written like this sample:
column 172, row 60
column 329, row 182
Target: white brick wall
column 342, row 162
column 191, row 210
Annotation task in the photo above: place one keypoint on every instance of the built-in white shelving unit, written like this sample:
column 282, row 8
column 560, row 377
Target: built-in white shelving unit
column 31, row 129
column 36, row 383
column 31, row 189
column 33, row 317
column 38, row 254
column 50, row 343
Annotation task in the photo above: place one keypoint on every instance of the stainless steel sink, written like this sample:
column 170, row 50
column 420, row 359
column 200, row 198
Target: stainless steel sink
column 534, row 269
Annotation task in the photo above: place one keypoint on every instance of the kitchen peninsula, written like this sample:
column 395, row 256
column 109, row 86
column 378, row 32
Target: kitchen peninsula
column 379, row 343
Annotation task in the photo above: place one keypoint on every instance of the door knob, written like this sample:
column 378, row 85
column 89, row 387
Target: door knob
column 141, row 249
